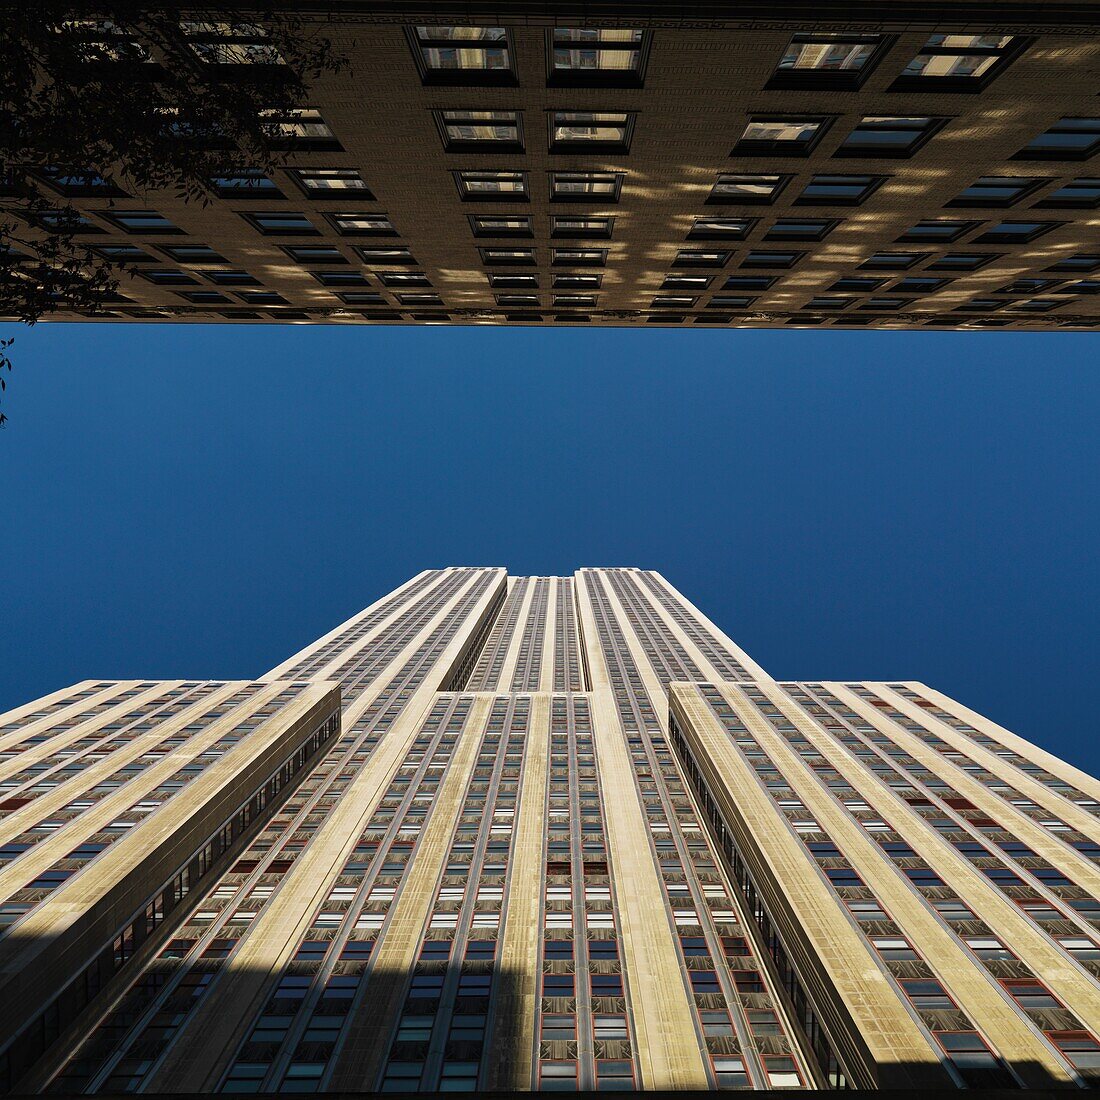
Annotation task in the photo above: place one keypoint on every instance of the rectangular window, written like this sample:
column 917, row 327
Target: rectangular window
column 192, row 254
column 559, row 1028
column 919, row 285
column 508, row 257
column 997, row 191
column 892, row 261
column 889, row 136
column 396, row 256
column 361, row 224
column 502, row 226
column 248, row 183
column 1068, row 139
column 585, row 186
column 597, row 57
column 585, row 131
column 721, row 229
column 730, row 1073
column 492, row 186
column 962, row 261
column 224, row 43
column 579, row 257
column 577, row 282
column 514, row 282
column 140, row 221
column 800, row 229
column 321, row 254
column 403, row 278
column 739, row 188
column 1015, row 232
column 1078, row 194
column 280, row 224
column 749, row 282
column 840, row 61
column 124, row 254
column 78, row 184
column 782, row 1072
column 829, row 302
column 168, row 278
column 700, row 257
column 300, row 129
column 926, row 993
column 833, row 190
column 517, row 299
column 958, row 62
column 759, row 257
column 781, row 136
column 491, row 131
column 463, row 55
column 581, row 228
column 331, row 183
column 341, row 278
column 231, row 278
column 1081, row 262
column 729, row 301
column 938, row 230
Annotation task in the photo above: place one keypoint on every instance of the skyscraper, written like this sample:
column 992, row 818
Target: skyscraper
column 565, row 834
column 752, row 165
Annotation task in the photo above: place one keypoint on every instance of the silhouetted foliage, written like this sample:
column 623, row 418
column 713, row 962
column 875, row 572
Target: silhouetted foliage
column 121, row 99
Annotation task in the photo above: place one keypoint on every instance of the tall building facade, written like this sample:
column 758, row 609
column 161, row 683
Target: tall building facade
column 538, row 833
column 751, row 165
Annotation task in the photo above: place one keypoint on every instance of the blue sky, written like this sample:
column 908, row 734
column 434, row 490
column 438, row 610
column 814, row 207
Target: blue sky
column 200, row 501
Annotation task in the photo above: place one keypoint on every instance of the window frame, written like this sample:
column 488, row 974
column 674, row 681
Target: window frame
column 598, row 78
column 465, row 78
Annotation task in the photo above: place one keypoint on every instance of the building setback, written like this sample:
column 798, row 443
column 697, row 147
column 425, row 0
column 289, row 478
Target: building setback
column 881, row 166
column 563, row 834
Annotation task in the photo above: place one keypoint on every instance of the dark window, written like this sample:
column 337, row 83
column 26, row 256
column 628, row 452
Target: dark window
column 286, row 225
column 1015, row 232
column 246, row 183
column 800, row 229
column 492, row 186
column 463, row 55
column 491, row 131
column 589, row 131
column 738, row 188
column 1067, row 139
column 1079, row 194
column 937, row 230
column 997, row 191
column 585, row 186
column 597, row 57
column 889, row 136
column 781, row 135
column 834, row 190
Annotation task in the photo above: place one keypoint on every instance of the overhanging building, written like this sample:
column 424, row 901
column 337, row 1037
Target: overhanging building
column 564, row 834
column 751, row 165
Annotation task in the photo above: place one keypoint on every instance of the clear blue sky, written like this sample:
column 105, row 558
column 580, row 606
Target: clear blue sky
column 201, row 501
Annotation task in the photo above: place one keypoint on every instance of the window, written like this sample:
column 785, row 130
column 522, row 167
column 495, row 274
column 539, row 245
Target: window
column 597, row 57
column 585, row 186
column 1015, row 232
column 889, row 136
column 1026, row 286
column 1080, row 1048
column 492, row 131
column 248, row 183
column 827, row 190
column 738, row 188
column 78, row 184
column 331, row 183
column 492, row 226
column 840, row 61
column 866, row 910
column 1081, row 194
column 781, row 136
column 286, row 225
column 579, row 257
column 581, row 131
column 140, row 221
column 894, row 948
column 764, row 1021
column 231, row 278
column 403, row 278
column 842, row 877
column 299, row 129
column 341, row 278
column 997, row 191
column 320, row 254
column 721, row 229
column 494, row 186
column 699, row 257
column 938, row 230
column 124, row 254
column 919, row 285
column 167, row 278
column 800, row 229
column 686, row 282
column 716, row 1025
column 827, row 302
column 729, row 1073
column 892, row 261
column 1030, row 994
column 101, row 40
column 203, row 297
column 557, row 985
column 420, row 299
column 574, row 301
column 507, row 257
column 857, row 284
column 606, row 985
column 517, row 299
column 192, row 254
column 362, row 298
column 920, row 877
column 749, row 282
column 782, row 1072
column 768, row 258
column 729, row 301
column 514, row 282
column 463, row 55
column 262, row 298
column 577, row 282
column 958, row 62
column 926, row 993
column 397, row 255
column 219, row 43
column 977, row 1064
column 580, row 228
column 1067, row 139
column 962, row 261
column 987, row 947
column 1079, row 262
column 361, row 225
column 559, row 1028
